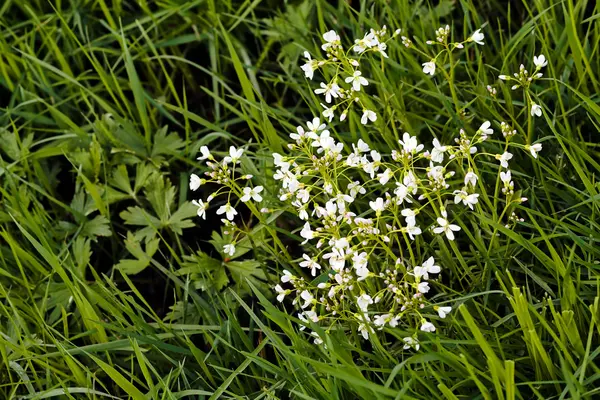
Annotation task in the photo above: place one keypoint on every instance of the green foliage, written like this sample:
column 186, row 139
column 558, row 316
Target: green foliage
column 111, row 286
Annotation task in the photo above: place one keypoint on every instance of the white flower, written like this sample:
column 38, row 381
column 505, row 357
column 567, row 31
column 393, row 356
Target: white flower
column 328, row 112
column 506, row 177
column 423, row 287
column 280, row 293
column 307, row 233
column 229, row 249
column 364, row 301
column 201, row 208
column 315, row 125
column 410, row 143
column 385, row 176
column 470, row 178
column 536, row 110
column 446, row 227
column 195, row 182
column 412, row 231
column 437, row 154
column 318, row 340
column 410, row 343
column 427, row 268
column 503, row 77
column 534, row 149
column 205, row 153
column 310, row 66
column 378, row 205
column 234, row 155
column 370, row 40
column 427, row 327
column 228, row 210
column 331, row 38
column 252, row 193
column 310, row 264
column 477, row 37
column 471, row 200
column 362, row 147
column 330, row 90
column 380, row 320
column 443, row 311
column 504, row 159
column 409, row 216
column 468, row 199
column 287, row 276
column 307, row 297
column 540, row 61
column 363, row 328
column 357, row 80
column 368, row 115
column 485, row 128
column 429, row 67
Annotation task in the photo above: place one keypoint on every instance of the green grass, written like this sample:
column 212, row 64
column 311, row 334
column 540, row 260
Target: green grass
column 111, row 286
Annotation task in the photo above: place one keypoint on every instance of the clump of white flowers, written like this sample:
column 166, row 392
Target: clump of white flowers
column 523, row 79
column 348, row 82
column 365, row 213
column 442, row 35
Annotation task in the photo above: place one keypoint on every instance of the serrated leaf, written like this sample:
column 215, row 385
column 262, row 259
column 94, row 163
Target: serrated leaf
column 138, row 216
column 143, row 257
column 181, row 218
column 166, row 143
column 99, row 226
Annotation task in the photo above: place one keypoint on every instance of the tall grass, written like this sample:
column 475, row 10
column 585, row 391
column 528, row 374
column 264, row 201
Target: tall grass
column 110, row 287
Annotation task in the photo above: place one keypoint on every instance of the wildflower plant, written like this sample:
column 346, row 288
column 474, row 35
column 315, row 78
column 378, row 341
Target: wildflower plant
column 364, row 266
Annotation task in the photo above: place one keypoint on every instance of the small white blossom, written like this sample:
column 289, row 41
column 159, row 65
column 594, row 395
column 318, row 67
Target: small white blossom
column 540, row 61
column 310, row 66
column 443, row 311
column 477, row 37
column 331, row 90
column 205, row 153
column 534, row 149
column 427, row 268
column 378, row 205
column 427, row 327
column 429, row 67
column 357, row 80
column 252, row 193
column 446, row 227
column 368, row 115
column 229, row 249
column 504, row 159
column 364, row 301
column 470, row 178
column 280, row 293
column 331, row 38
column 310, row 264
column 409, row 342
column 228, row 210
column 536, row 110
column 307, row 233
column 485, row 128
column 201, row 208
column 195, row 182
column 234, row 155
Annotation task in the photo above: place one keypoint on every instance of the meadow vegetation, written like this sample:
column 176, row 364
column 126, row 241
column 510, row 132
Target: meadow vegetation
column 384, row 259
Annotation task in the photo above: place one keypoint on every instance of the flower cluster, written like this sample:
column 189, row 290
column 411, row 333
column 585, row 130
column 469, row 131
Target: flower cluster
column 224, row 173
column 441, row 39
column 366, row 212
column 348, row 80
column 363, row 212
column 523, row 79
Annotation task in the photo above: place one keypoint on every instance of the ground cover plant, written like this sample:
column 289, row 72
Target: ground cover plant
column 301, row 199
